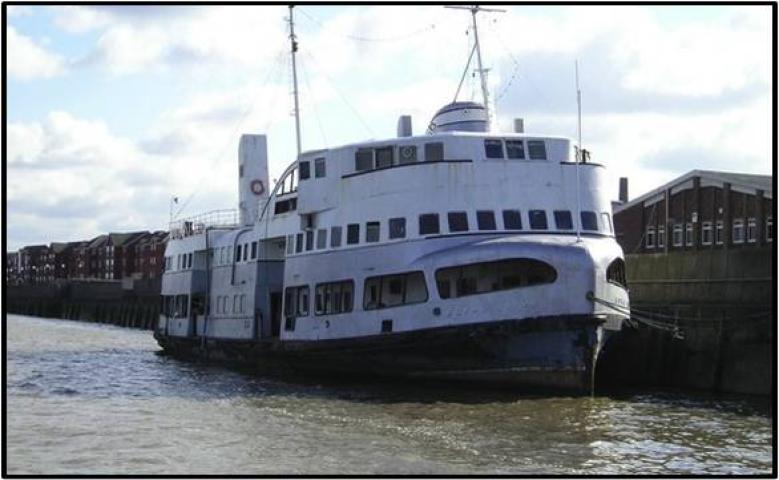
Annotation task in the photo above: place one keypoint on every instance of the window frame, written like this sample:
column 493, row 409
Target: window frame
column 511, row 211
column 561, row 215
column 457, row 222
column 372, row 227
column 430, row 216
column 397, row 228
column 489, row 145
column 707, row 228
column 737, row 225
column 537, row 215
column 320, row 162
column 304, row 170
column 353, row 234
column 485, row 221
column 388, row 277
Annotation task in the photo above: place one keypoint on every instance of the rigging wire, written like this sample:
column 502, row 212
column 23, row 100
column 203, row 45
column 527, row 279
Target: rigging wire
column 239, row 123
column 361, row 38
column 338, row 91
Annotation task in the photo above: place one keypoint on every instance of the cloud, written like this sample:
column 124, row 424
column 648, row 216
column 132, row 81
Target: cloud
column 27, row 60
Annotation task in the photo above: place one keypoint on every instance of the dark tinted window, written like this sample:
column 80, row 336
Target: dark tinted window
column 335, row 237
column 407, row 154
column 372, row 232
column 536, row 149
column 254, row 250
column 304, row 170
column 299, row 243
column 486, row 220
column 296, row 302
column 363, row 159
column 384, row 157
column 434, row 152
column 237, row 255
column 394, row 290
column 428, row 224
column 353, row 233
column 319, row 167
column 515, row 149
column 397, row 228
column 537, row 220
column 493, row 148
column 458, row 222
column 563, row 220
column 309, row 240
column 589, row 221
column 476, row 278
column 334, row 297
column 616, row 272
column 512, row 220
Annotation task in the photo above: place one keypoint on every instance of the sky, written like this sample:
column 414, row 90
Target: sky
column 114, row 110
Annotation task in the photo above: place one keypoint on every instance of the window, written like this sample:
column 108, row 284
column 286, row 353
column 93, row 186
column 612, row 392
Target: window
column 394, row 290
column 428, row 224
column 650, row 237
column 363, row 159
column 678, row 237
column 254, row 250
column 458, row 221
column 607, row 226
column 304, row 170
column 352, row 233
column 334, row 297
column 706, row 236
column 372, row 232
column 661, row 237
column 290, row 244
column 738, row 231
column 615, row 273
column 512, row 220
column 434, row 152
column 718, row 232
column 299, row 243
column 397, row 228
column 769, row 229
column 563, row 220
column 335, row 237
column 485, row 220
column 752, row 230
column 477, row 278
column 309, row 240
column 407, row 154
column 536, row 149
column 493, row 148
column 515, row 149
column 689, row 234
column 321, row 238
column 384, row 157
column 235, row 303
column 319, row 167
column 245, row 253
column 296, row 301
column 589, row 221
column 237, row 254
column 537, row 220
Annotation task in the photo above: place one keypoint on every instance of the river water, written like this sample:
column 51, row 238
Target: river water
column 93, row 399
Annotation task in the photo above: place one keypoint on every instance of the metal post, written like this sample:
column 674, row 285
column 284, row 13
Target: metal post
column 294, row 45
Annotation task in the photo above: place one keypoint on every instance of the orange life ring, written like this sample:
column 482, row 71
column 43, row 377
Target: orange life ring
column 257, row 187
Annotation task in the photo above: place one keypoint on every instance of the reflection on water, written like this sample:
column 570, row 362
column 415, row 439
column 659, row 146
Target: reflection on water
column 95, row 399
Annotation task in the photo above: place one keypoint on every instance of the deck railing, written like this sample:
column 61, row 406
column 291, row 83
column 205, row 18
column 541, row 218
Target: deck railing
column 199, row 223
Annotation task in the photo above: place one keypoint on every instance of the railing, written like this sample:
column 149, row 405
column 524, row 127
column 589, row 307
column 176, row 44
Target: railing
column 199, row 223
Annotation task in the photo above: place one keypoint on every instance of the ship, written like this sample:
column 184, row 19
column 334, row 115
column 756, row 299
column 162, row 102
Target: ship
column 460, row 254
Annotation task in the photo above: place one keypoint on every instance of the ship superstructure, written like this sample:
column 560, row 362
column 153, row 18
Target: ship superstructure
column 462, row 253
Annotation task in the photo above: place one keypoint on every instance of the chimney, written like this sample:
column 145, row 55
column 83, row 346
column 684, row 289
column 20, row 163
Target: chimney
column 404, row 126
column 623, row 189
column 519, row 125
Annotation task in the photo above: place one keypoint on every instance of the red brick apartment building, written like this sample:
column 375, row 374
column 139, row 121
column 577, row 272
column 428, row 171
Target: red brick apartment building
column 699, row 210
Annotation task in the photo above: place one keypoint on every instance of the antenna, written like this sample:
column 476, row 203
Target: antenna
column 579, row 155
column 474, row 9
column 294, row 43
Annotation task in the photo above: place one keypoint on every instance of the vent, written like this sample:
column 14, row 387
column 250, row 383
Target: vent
column 386, row 326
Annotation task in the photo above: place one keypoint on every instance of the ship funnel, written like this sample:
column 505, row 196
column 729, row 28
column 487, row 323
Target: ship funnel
column 252, row 176
column 460, row 117
column 404, row 126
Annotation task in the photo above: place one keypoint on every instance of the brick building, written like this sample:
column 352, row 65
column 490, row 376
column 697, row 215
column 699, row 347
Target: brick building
column 699, row 210
column 150, row 255
column 32, row 260
column 12, row 268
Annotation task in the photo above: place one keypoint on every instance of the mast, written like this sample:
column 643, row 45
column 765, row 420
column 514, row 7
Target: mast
column 474, row 9
column 579, row 156
column 294, row 48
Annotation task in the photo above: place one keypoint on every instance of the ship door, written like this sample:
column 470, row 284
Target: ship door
column 275, row 313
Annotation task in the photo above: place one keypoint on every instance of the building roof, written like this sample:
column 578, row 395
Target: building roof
column 98, row 241
column 739, row 181
column 59, row 247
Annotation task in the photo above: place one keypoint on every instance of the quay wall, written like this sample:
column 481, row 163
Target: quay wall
column 136, row 306
column 723, row 303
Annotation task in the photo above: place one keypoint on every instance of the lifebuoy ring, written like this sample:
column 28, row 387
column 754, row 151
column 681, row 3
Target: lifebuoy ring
column 257, row 187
